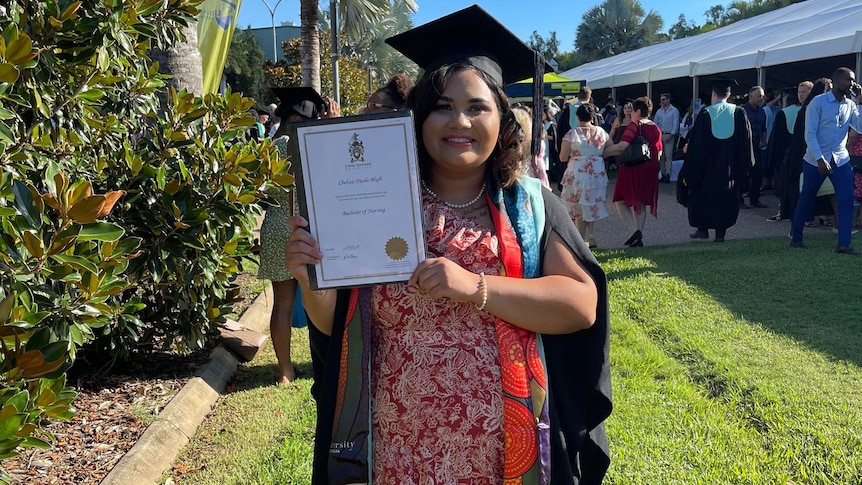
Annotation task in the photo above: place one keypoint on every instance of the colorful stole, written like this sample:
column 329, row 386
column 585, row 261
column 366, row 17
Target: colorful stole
column 790, row 114
column 516, row 214
column 722, row 114
column 519, row 218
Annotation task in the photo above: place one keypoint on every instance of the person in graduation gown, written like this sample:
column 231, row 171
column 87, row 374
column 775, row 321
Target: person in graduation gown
column 490, row 364
column 792, row 170
column 779, row 147
column 717, row 160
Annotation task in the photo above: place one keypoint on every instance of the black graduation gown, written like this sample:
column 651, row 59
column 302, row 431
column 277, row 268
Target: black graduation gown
column 578, row 366
column 555, row 168
column 779, row 145
column 792, row 168
column 563, row 125
column 714, row 170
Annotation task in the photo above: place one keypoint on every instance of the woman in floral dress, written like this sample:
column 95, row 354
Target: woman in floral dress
column 585, row 182
column 296, row 104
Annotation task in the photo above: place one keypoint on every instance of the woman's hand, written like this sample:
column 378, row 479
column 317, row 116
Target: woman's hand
column 443, row 278
column 301, row 250
column 333, row 110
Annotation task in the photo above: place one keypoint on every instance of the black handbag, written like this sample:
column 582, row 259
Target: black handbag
column 637, row 152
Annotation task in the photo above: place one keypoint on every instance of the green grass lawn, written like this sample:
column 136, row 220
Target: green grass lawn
column 736, row 363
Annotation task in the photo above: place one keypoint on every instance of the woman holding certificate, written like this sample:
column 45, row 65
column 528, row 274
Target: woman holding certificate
column 490, row 364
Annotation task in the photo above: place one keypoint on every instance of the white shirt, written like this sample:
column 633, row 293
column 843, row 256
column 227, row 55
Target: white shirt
column 667, row 120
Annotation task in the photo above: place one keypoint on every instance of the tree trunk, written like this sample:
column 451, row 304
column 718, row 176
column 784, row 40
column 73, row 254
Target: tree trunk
column 184, row 63
column 310, row 44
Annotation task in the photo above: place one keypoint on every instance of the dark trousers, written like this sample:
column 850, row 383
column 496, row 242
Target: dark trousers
column 719, row 233
column 842, row 180
column 755, row 177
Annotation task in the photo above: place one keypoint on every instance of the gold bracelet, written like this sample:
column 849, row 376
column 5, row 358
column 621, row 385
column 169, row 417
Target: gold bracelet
column 483, row 285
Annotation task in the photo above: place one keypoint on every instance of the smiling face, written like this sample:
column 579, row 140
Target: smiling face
column 462, row 129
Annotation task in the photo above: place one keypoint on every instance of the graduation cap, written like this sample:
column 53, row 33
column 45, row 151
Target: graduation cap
column 722, row 85
column 301, row 100
column 472, row 36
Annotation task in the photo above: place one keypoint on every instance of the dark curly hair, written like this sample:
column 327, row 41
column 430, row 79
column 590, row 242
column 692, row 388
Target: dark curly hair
column 396, row 90
column 586, row 112
column 505, row 162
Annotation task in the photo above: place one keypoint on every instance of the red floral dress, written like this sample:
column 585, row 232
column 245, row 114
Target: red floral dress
column 437, row 407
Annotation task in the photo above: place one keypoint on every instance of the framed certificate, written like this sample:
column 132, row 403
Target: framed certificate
column 358, row 183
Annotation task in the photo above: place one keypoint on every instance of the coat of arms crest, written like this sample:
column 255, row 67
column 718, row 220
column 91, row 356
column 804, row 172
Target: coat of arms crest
column 356, row 150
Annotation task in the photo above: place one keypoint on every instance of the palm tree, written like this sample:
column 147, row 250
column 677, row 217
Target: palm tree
column 183, row 62
column 374, row 53
column 356, row 17
column 310, row 43
column 614, row 27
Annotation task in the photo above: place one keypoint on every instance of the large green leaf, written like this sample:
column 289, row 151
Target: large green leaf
column 18, row 401
column 78, row 262
column 101, row 231
column 25, row 204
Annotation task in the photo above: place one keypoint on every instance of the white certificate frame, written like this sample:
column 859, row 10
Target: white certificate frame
column 357, row 178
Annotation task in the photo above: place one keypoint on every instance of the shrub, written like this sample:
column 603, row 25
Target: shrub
column 120, row 220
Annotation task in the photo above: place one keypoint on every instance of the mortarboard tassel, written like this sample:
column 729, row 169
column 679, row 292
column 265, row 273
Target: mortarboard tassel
column 538, row 92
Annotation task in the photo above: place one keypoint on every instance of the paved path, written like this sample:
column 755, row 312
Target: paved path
column 671, row 226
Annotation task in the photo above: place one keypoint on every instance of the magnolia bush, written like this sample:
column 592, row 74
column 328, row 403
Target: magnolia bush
column 122, row 222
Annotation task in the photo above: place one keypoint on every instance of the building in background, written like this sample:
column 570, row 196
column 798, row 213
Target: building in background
column 283, row 33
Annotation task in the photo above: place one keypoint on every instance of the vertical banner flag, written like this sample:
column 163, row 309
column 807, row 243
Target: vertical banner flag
column 216, row 22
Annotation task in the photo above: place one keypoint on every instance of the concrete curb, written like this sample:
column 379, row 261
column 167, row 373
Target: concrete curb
column 156, row 450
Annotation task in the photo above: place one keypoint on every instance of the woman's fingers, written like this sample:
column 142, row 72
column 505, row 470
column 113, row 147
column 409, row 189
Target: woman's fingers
column 442, row 278
column 296, row 221
column 301, row 249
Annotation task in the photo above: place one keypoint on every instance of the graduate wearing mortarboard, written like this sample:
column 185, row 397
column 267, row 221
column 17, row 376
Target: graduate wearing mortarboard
column 718, row 157
column 491, row 364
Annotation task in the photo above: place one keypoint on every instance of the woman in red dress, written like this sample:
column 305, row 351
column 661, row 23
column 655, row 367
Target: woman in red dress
column 637, row 186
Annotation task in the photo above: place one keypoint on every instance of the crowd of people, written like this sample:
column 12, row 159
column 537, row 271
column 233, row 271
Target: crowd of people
column 464, row 371
column 775, row 129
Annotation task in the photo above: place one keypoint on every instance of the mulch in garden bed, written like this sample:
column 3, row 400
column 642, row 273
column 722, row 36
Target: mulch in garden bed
column 112, row 410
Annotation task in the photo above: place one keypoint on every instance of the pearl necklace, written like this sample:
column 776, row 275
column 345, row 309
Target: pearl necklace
column 449, row 204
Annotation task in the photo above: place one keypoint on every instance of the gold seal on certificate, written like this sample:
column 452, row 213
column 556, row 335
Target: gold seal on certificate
column 358, row 184
column 396, row 248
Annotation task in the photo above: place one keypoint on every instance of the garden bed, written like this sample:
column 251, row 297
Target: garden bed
column 113, row 408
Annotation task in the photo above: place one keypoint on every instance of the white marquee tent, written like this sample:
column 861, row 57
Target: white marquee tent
column 807, row 30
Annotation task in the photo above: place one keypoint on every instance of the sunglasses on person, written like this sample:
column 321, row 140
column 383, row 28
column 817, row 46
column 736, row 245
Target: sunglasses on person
column 369, row 106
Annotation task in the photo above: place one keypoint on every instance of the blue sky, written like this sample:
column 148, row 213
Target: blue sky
column 522, row 16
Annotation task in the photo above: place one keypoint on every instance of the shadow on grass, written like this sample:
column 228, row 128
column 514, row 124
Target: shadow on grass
column 810, row 295
column 256, row 376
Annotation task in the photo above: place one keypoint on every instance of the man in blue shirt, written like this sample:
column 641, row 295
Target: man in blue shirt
column 826, row 121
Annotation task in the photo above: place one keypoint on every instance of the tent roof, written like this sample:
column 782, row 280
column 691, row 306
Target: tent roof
column 549, row 77
column 807, row 30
